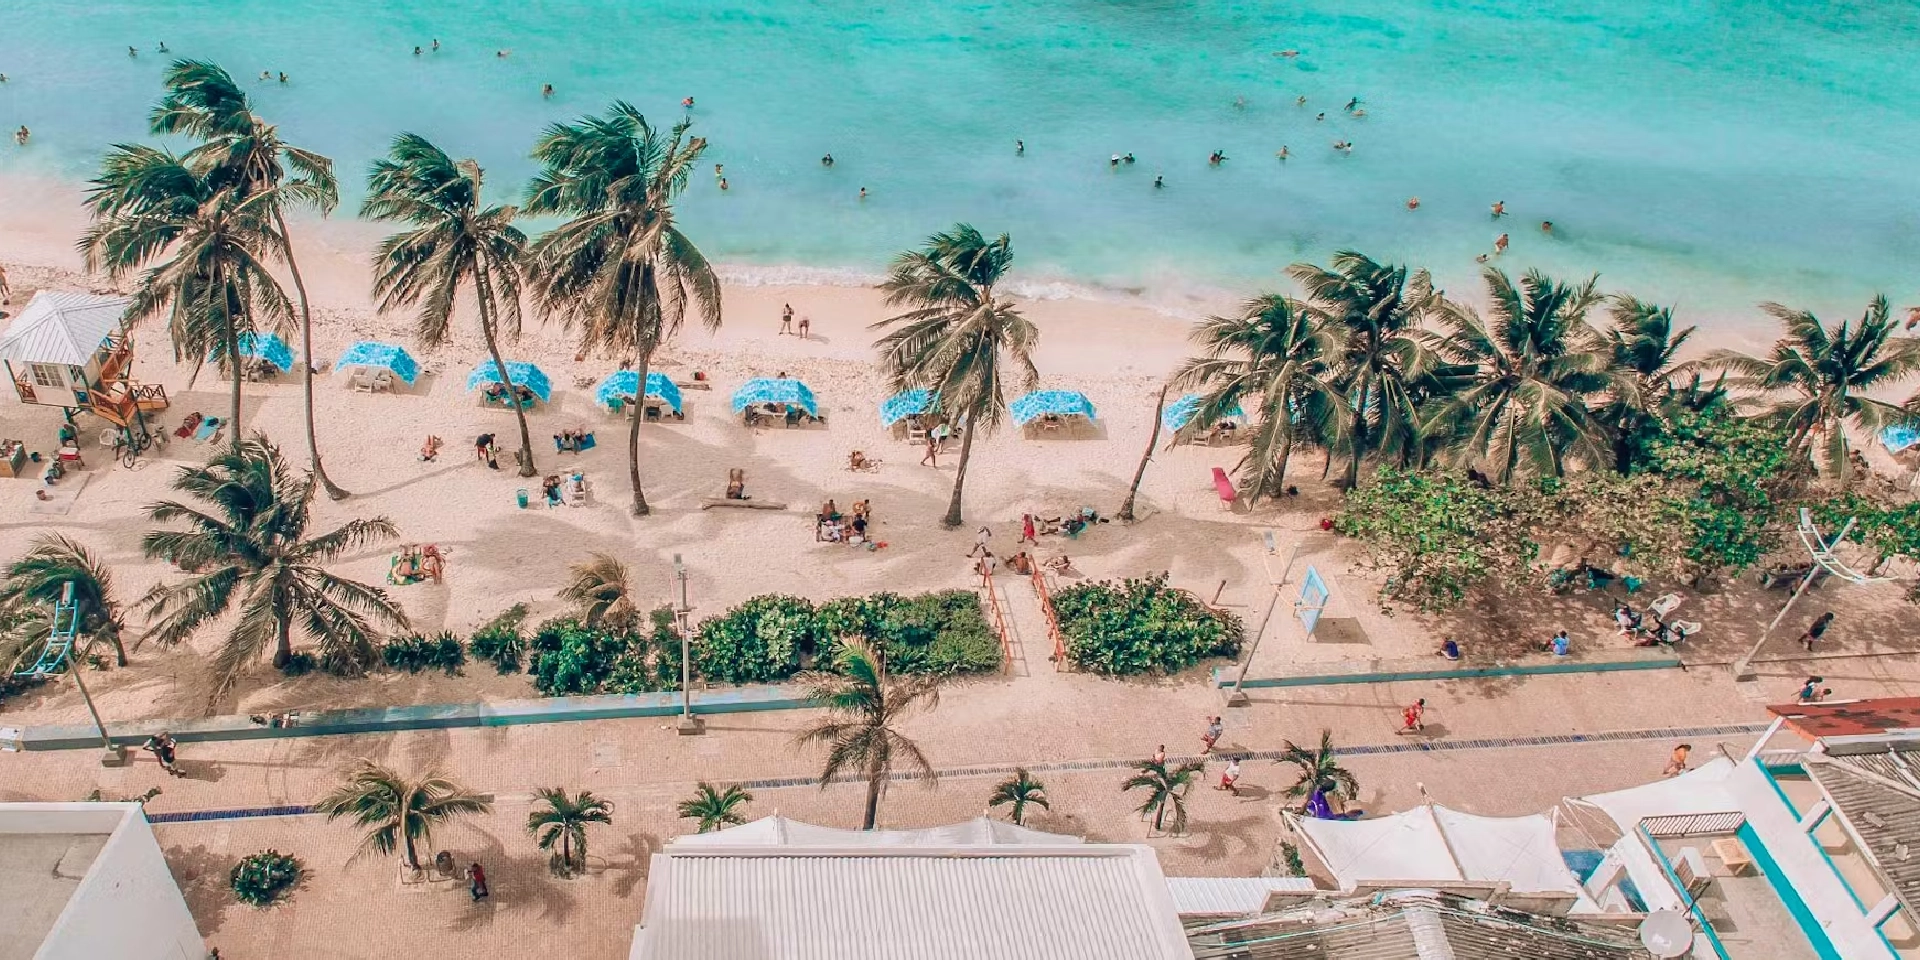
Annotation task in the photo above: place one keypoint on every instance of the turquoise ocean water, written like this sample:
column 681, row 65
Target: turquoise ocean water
column 1709, row 153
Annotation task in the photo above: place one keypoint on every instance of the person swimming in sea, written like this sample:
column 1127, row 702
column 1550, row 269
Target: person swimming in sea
column 436, row 43
column 502, row 54
column 1019, row 148
column 1128, row 159
column 1160, row 182
column 266, row 75
column 863, row 193
column 1239, row 103
column 1345, row 146
column 1217, row 157
column 1319, row 117
column 1352, row 104
column 283, row 77
column 719, row 169
column 1546, row 227
column 1480, row 259
column 723, row 183
column 1300, row 101
column 1283, row 154
column 827, row 161
column 687, row 103
column 1500, row 245
column 1113, row 161
column 163, row 47
column 1413, row 203
column 1499, row 209
column 1288, row 54
column 546, row 90
column 416, row 51
column 131, row 52
column 22, row 135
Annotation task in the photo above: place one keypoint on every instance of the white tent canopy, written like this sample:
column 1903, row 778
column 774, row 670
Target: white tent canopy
column 1433, row 844
column 61, row 326
column 1698, row 791
column 778, row 831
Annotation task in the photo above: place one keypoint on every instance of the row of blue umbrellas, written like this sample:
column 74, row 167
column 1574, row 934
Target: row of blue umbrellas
column 621, row 386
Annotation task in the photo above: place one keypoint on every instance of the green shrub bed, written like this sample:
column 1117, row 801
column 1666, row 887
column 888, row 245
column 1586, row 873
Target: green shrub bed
column 1141, row 626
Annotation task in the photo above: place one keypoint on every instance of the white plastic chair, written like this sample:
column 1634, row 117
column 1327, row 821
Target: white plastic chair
column 1664, row 605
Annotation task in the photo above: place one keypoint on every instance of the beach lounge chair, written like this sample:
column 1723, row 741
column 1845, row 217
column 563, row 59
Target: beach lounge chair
column 207, row 429
column 1224, row 487
column 575, row 488
column 360, row 380
column 382, row 381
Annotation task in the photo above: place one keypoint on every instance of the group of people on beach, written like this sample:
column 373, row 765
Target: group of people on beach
column 1020, row 562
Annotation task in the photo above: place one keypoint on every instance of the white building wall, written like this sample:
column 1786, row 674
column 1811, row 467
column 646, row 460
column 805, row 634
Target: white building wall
column 1805, row 866
column 128, row 906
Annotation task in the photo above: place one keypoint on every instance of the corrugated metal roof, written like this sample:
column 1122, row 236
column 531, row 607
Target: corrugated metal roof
column 1407, row 926
column 1882, row 811
column 1230, row 896
column 925, row 903
column 61, row 326
column 777, row 830
column 1850, row 718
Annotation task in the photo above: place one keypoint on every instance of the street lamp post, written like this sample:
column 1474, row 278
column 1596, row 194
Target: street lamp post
column 689, row 724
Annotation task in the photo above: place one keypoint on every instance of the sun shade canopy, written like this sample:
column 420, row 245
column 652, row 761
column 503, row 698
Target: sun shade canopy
column 523, row 374
column 1063, row 403
column 775, row 390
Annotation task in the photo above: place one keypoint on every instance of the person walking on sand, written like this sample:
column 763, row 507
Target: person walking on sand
column 1026, row 530
column 932, row 457
column 1816, row 631
column 805, row 331
column 1677, row 765
column 980, row 540
column 1212, row 736
column 477, row 883
column 786, row 319
column 1414, row 718
column 1230, row 777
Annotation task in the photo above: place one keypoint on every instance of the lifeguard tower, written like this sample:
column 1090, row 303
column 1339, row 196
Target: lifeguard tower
column 68, row 350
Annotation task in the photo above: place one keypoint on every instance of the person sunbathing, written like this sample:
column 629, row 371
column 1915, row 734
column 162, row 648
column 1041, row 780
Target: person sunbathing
column 431, row 562
column 1059, row 564
column 430, row 449
column 1021, row 563
column 737, row 484
column 857, row 460
column 496, row 393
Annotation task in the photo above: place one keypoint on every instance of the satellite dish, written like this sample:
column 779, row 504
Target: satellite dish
column 1666, row 933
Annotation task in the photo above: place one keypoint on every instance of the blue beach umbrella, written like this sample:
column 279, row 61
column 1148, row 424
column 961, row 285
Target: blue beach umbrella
column 772, row 390
column 1180, row 412
column 268, row 347
column 619, row 385
column 523, row 374
column 380, row 356
column 903, row 405
column 1064, row 403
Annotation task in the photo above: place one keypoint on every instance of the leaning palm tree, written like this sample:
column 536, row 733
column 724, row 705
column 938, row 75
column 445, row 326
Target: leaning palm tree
column 242, row 152
column 43, row 574
column 214, row 246
column 564, row 818
column 864, row 707
column 1166, row 788
column 1644, row 345
column 1320, row 771
column 397, row 811
column 601, row 590
column 1829, row 372
column 1536, row 362
column 246, row 548
column 1373, row 311
column 1019, row 792
column 715, row 808
column 619, row 274
column 958, row 339
column 453, row 241
column 1270, row 361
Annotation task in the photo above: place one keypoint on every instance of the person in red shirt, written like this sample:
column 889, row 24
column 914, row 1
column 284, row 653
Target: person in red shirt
column 1413, row 718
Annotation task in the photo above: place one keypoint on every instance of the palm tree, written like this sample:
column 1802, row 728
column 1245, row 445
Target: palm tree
column 1643, row 368
column 214, row 285
column 1829, row 371
column 600, row 589
column 1166, row 789
column 565, row 818
column 1320, row 771
column 1536, row 362
column 715, row 808
column 1374, row 312
column 238, row 150
column 1019, row 792
column 397, row 811
column 453, row 241
column 619, row 274
column 247, row 545
column 42, row 575
column 1272, row 362
column 957, row 339
column 864, row 707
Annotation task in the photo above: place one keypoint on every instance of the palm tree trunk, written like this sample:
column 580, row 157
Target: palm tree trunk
column 952, row 519
column 483, row 292
column 283, row 641
column 566, row 847
column 1277, row 480
column 645, row 362
column 1126, row 508
column 1159, row 815
column 1359, row 439
column 234, row 365
column 875, row 775
column 412, row 859
column 306, row 358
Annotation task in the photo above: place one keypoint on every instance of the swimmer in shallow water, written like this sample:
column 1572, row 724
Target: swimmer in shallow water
column 163, row 46
column 1499, row 209
column 1160, row 182
column 1413, row 203
column 436, row 43
column 687, row 103
column 416, row 51
column 22, row 135
column 1352, row 103
column 1288, row 54
column 546, row 90
column 863, row 193
column 283, row 78
column 1283, row 154
column 723, row 183
column 1320, row 117
column 1546, row 227
column 131, row 52
column 1500, row 245
column 827, row 161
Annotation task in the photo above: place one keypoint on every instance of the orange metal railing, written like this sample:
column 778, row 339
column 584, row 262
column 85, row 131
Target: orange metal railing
column 1053, row 621
column 999, row 623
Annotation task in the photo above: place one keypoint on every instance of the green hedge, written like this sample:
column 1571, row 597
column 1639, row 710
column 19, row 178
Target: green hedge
column 760, row 641
column 1143, row 625
column 941, row 633
column 265, row 878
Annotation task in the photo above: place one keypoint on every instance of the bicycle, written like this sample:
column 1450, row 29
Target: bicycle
column 129, row 444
